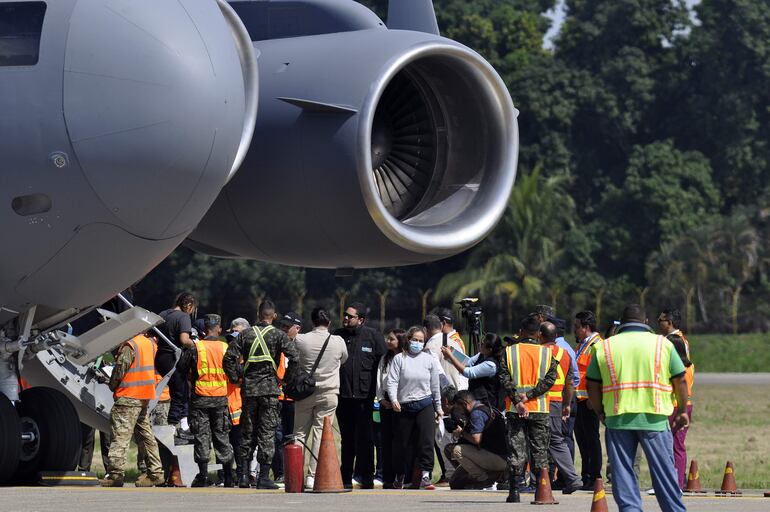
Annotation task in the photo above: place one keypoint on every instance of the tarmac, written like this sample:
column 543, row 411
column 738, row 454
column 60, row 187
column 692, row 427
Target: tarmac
column 33, row 499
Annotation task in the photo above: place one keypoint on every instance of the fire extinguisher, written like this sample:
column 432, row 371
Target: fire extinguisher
column 294, row 466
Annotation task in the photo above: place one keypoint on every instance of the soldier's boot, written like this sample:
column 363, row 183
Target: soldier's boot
column 513, row 492
column 148, row 480
column 112, row 480
column 202, row 478
column 227, row 469
column 243, row 479
column 264, row 481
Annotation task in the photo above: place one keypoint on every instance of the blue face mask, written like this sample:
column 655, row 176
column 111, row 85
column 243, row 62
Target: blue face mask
column 415, row 347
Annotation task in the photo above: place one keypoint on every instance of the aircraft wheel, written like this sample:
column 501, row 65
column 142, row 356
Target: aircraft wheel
column 10, row 439
column 55, row 427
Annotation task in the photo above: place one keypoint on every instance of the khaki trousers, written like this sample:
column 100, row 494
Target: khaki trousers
column 481, row 465
column 309, row 417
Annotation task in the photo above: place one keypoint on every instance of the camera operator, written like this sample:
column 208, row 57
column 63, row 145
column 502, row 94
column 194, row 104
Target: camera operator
column 480, row 453
column 481, row 369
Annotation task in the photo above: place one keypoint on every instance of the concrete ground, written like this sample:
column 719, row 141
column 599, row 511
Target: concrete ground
column 29, row 499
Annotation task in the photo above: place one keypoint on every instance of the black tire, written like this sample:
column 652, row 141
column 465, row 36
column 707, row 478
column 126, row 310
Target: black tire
column 10, row 440
column 54, row 419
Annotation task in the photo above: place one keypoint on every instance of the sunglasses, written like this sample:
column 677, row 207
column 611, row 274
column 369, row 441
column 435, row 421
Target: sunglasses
column 348, row 315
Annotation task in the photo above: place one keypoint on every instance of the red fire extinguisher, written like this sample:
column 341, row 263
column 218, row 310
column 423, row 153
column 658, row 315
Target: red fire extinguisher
column 294, row 470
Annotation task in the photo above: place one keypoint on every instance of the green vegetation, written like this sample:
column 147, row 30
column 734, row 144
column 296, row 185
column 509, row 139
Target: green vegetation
column 730, row 353
column 643, row 176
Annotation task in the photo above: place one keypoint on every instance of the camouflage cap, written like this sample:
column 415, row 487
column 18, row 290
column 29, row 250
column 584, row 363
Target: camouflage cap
column 545, row 310
column 212, row 320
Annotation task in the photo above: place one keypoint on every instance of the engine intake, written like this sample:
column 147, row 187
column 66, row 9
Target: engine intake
column 378, row 147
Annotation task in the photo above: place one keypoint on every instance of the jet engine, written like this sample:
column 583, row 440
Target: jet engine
column 373, row 147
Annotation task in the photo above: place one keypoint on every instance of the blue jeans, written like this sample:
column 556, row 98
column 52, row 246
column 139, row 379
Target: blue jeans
column 659, row 449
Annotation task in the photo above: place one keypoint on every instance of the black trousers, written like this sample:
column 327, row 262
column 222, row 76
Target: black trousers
column 286, row 428
column 354, row 417
column 385, row 454
column 587, row 437
column 178, row 387
column 87, row 447
column 413, row 444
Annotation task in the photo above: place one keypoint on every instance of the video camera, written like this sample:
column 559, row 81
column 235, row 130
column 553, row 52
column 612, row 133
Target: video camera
column 472, row 312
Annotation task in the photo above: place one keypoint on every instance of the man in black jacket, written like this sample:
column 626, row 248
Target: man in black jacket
column 358, row 384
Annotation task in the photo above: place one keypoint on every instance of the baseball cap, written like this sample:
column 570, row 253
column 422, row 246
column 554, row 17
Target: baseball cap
column 212, row 320
column 291, row 318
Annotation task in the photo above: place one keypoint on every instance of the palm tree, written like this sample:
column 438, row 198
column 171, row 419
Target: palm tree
column 515, row 261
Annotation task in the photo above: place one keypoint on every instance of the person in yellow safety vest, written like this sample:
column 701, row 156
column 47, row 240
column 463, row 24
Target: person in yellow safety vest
column 560, row 393
column 668, row 325
column 527, row 371
column 631, row 381
column 586, row 421
column 133, row 384
column 209, row 412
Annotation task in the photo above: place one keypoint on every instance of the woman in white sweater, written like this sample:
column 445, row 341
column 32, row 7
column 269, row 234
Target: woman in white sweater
column 412, row 384
column 396, row 343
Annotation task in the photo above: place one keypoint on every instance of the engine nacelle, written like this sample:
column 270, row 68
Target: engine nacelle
column 373, row 147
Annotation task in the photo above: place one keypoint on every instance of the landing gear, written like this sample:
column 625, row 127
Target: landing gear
column 10, row 434
column 50, row 433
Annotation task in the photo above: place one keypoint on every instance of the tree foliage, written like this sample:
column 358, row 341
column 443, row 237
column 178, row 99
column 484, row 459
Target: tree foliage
column 643, row 176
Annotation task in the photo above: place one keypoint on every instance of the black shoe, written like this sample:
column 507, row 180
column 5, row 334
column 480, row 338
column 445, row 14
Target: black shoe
column 513, row 496
column 265, row 482
column 279, row 480
column 348, row 485
column 503, row 486
column 570, row 489
column 201, row 481
column 243, row 482
column 227, row 474
column 367, row 484
column 588, row 486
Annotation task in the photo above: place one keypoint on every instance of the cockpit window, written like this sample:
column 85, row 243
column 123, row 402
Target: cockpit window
column 21, row 24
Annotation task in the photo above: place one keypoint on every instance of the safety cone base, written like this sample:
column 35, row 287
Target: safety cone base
column 699, row 491
column 330, row 491
column 544, row 502
column 767, row 495
column 728, row 493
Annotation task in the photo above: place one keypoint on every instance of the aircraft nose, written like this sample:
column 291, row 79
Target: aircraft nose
column 158, row 105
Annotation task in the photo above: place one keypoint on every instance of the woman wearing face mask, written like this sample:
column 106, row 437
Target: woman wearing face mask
column 396, row 343
column 413, row 385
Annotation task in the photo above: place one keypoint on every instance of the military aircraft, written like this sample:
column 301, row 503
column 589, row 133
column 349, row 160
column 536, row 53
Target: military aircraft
column 129, row 127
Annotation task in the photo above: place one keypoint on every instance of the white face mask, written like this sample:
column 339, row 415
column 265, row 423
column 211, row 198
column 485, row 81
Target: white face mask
column 415, row 346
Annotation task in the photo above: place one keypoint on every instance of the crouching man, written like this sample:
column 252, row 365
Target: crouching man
column 480, row 454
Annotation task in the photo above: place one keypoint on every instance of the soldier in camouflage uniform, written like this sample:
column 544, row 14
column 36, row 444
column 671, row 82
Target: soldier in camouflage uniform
column 252, row 360
column 528, row 432
column 133, row 374
column 209, row 415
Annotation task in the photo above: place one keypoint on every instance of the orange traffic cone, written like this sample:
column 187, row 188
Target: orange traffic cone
column 543, row 494
column 599, row 503
column 728, row 482
column 693, row 479
column 327, row 475
column 175, row 476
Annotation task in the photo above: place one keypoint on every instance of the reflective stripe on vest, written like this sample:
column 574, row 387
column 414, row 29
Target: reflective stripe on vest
column 456, row 337
column 530, row 365
column 139, row 381
column 165, row 394
column 583, row 360
column 634, row 379
column 234, row 403
column 259, row 341
column 679, row 333
column 211, row 375
column 556, row 391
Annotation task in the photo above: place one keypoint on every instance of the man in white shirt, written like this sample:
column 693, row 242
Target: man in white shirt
column 310, row 412
column 442, row 333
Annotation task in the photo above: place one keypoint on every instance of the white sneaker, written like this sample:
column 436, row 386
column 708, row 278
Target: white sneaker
column 354, row 481
column 492, row 487
column 650, row 492
column 378, row 482
column 309, row 482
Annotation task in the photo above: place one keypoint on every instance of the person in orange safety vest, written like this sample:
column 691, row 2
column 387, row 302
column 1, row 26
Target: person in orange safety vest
column 133, row 384
column 209, row 406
